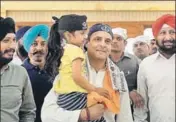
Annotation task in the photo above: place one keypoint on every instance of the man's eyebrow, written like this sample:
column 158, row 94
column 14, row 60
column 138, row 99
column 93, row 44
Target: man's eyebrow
column 98, row 37
column 108, row 38
column 7, row 37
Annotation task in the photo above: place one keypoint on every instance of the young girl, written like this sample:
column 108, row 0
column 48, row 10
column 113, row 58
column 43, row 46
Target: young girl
column 72, row 86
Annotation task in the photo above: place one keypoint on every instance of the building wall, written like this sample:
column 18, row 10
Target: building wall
column 133, row 15
column 93, row 16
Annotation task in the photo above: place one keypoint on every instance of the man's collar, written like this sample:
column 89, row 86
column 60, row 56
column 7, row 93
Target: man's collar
column 4, row 68
column 124, row 55
column 127, row 55
column 159, row 55
column 28, row 65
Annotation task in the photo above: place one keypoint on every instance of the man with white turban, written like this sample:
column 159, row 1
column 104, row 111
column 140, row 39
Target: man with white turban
column 152, row 42
column 141, row 47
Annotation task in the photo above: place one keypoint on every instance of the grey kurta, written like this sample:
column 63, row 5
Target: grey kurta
column 17, row 102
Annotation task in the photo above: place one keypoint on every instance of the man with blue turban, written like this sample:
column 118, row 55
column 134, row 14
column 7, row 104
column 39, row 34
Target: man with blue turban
column 35, row 43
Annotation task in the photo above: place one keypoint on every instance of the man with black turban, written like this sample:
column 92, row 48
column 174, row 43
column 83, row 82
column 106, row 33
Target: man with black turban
column 17, row 102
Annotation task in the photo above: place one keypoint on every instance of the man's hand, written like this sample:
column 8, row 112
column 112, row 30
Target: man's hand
column 103, row 92
column 96, row 112
column 136, row 99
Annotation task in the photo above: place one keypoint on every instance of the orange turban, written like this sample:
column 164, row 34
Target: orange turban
column 165, row 19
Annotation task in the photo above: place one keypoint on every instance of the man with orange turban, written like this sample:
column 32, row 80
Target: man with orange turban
column 156, row 76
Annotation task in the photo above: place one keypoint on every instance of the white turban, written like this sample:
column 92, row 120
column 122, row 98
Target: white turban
column 129, row 46
column 121, row 32
column 142, row 38
column 148, row 32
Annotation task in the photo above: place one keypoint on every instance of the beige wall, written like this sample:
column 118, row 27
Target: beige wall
column 90, row 5
column 132, row 15
column 93, row 16
column 95, row 10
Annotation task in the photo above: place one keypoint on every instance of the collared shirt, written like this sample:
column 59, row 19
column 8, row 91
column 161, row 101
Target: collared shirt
column 17, row 102
column 51, row 112
column 129, row 64
column 156, row 84
column 41, row 84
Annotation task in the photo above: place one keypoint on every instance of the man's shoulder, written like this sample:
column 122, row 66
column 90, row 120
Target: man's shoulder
column 132, row 57
column 129, row 55
column 17, row 68
column 149, row 59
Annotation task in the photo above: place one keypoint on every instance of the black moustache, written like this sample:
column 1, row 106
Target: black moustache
column 38, row 52
column 9, row 50
column 171, row 41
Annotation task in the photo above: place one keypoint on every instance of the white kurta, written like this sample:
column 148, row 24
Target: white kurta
column 156, row 84
column 52, row 113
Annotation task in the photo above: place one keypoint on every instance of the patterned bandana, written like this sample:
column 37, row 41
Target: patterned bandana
column 100, row 27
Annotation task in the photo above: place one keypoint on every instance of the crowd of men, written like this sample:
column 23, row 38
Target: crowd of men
column 145, row 78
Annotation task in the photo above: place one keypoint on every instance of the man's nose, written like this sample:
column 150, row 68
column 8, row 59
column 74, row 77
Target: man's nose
column 114, row 40
column 13, row 45
column 168, row 36
column 39, row 47
column 138, row 47
column 103, row 44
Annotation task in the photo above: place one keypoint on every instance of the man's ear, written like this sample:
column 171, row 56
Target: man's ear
column 125, row 42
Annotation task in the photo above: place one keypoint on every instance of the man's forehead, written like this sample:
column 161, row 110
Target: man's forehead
column 117, row 35
column 39, row 39
column 167, row 27
column 140, row 42
column 9, row 35
column 102, row 34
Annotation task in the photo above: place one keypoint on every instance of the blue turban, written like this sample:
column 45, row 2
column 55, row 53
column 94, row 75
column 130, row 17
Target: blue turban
column 31, row 35
column 100, row 27
column 21, row 32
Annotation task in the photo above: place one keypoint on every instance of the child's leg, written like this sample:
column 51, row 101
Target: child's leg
column 72, row 101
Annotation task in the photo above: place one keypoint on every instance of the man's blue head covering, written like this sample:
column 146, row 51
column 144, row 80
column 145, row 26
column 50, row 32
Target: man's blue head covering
column 31, row 35
column 100, row 27
column 20, row 33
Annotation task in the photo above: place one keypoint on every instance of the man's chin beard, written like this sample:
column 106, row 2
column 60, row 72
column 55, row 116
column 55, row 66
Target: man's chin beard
column 165, row 50
column 4, row 61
